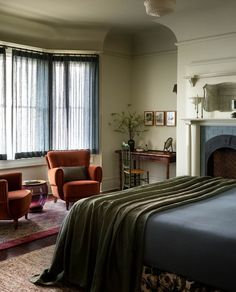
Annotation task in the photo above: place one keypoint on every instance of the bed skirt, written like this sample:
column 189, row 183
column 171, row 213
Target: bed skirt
column 154, row 280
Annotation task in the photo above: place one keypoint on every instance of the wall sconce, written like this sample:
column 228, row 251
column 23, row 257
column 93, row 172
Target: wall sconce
column 193, row 80
column 197, row 101
column 175, row 88
column 233, row 106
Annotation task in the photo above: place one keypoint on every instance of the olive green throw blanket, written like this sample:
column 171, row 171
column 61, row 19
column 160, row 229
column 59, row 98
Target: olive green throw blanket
column 100, row 245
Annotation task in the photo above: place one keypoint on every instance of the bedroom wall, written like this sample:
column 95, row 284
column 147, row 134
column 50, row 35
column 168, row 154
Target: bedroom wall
column 33, row 169
column 115, row 76
column 153, row 78
column 154, row 73
column 216, row 58
column 138, row 69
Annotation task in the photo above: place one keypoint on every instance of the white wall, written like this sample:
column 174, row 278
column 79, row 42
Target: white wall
column 115, row 77
column 134, row 71
column 153, row 78
column 34, row 168
column 215, row 56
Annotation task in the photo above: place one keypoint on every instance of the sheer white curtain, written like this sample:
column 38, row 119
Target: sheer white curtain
column 75, row 103
column 59, row 108
column 30, row 102
column 52, row 103
column 2, row 104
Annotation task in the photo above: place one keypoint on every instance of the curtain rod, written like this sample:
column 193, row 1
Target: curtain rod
column 47, row 51
column 50, row 53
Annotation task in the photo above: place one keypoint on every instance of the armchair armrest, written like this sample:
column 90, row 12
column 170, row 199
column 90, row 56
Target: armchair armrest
column 56, row 180
column 56, row 176
column 4, row 206
column 3, row 190
column 95, row 172
column 14, row 180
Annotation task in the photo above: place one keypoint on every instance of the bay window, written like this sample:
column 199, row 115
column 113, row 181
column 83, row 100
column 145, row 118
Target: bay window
column 52, row 103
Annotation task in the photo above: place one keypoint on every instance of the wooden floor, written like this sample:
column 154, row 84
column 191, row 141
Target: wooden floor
column 27, row 247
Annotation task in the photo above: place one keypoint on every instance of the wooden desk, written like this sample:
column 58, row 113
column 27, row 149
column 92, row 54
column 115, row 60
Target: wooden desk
column 151, row 155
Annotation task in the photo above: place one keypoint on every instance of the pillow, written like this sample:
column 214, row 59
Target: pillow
column 75, row 173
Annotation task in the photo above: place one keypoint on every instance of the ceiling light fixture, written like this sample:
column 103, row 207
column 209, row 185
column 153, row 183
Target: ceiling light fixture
column 159, row 7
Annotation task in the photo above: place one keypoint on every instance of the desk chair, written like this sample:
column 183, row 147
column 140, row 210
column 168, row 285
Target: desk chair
column 131, row 176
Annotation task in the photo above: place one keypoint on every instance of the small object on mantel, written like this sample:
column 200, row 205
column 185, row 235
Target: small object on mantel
column 146, row 148
column 233, row 115
column 139, row 150
column 168, row 145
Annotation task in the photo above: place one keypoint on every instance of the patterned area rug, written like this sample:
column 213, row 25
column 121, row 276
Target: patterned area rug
column 16, row 272
column 38, row 225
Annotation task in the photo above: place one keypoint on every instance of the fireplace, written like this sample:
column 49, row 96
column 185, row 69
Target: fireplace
column 220, row 156
column 219, row 137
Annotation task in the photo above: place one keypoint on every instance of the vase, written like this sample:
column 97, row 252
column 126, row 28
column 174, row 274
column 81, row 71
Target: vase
column 131, row 144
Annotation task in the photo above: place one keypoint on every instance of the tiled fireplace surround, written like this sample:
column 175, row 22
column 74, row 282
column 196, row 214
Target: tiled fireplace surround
column 199, row 132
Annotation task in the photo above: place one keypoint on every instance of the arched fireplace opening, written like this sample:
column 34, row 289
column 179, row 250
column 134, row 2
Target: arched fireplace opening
column 220, row 156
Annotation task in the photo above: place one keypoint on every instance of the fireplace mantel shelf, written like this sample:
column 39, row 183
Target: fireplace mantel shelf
column 212, row 122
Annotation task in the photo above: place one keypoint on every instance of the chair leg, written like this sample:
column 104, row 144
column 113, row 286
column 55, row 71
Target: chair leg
column 67, row 205
column 55, row 199
column 15, row 223
column 26, row 216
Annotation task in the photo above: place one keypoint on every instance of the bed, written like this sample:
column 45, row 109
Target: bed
column 143, row 237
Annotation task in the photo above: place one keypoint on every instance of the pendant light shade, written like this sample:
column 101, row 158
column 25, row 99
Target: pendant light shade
column 159, row 7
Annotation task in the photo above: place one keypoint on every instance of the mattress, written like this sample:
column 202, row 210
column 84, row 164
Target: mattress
column 197, row 240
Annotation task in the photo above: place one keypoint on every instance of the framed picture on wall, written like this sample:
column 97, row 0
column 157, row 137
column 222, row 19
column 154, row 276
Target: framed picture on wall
column 148, row 118
column 159, row 118
column 170, row 118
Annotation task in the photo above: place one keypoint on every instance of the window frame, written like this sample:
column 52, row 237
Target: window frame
column 66, row 54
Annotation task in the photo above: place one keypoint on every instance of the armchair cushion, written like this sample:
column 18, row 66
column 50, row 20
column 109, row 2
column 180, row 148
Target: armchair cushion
column 73, row 173
column 75, row 190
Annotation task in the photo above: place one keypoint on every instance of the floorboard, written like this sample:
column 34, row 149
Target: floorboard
column 27, row 247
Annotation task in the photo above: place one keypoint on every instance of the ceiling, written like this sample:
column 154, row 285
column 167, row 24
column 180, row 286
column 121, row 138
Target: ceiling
column 191, row 17
column 112, row 13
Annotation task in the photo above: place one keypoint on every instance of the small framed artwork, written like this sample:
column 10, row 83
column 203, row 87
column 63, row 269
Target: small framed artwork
column 170, row 118
column 148, row 118
column 159, row 118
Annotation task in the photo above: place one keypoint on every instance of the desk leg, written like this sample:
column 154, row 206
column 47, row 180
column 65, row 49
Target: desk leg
column 120, row 170
column 168, row 170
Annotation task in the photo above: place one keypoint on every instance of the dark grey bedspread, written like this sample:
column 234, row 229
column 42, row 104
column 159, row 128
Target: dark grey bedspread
column 196, row 240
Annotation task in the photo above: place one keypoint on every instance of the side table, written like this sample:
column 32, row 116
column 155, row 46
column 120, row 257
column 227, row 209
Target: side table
column 39, row 189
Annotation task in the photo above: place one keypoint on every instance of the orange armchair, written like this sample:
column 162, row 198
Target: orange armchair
column 14, row 201
column 71, row 176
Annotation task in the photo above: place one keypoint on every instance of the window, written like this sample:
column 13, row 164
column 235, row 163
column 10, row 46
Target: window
column 30, row 103
column 74, row 117
column 52, row 103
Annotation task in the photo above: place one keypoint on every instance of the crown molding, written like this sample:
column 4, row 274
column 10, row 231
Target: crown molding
column 205, row 39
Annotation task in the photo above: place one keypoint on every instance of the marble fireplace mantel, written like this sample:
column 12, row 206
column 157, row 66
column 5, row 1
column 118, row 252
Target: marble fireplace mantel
column 193, row 127
column 210, row 122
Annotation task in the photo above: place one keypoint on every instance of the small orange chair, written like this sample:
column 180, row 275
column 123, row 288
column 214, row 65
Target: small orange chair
column 14, row 201
column 71, row 176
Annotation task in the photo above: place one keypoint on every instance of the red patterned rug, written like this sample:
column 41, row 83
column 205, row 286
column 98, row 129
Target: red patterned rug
column 38, row 225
